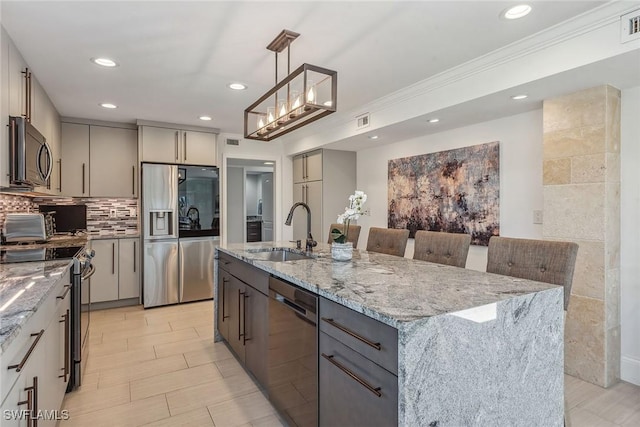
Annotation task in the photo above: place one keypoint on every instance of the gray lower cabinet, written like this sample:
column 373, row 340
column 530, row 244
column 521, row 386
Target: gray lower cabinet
column 354, row 391
column 242, row 314
column 358, row 366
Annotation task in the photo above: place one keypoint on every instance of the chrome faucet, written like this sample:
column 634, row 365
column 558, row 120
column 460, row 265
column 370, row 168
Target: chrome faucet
column 310, row 242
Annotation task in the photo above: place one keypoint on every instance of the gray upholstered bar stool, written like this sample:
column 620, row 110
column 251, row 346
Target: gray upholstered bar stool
column 541, row 260
column 442, row 248
column 352, row 236
column 389, row 241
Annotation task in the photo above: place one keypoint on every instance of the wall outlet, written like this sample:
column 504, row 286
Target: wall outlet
column 537, row 217
column 113, row 213
column 133, row 212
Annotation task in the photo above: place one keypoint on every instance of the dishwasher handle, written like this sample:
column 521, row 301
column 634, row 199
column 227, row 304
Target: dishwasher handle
column 304, row 304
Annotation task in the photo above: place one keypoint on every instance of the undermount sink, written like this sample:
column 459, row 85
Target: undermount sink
column 277, row 254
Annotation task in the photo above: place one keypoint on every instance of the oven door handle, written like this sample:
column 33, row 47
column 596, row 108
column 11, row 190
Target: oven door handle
column 92, row 270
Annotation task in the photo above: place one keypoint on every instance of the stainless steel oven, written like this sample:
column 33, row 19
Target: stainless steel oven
column 80, row 315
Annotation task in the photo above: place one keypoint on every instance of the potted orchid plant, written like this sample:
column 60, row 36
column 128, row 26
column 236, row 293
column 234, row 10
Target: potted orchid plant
column 341, row 248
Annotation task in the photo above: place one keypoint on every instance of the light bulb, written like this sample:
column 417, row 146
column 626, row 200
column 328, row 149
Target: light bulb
column 311, row 95
column 283, row 109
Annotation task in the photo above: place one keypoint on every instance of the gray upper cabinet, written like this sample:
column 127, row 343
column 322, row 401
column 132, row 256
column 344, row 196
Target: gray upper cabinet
column 324, row 180
column 307, row 167
column 99, row 161
column 168, row 145
column 113, row 161
column 75, row 160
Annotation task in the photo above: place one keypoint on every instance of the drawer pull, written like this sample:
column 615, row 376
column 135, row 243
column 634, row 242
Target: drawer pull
column 348, row 331
column 66, row 291
column 19, row 366
column 374, row 390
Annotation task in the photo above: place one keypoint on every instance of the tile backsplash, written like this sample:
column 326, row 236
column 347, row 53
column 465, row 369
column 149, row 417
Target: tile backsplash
column 99, row 211
column 11, row 203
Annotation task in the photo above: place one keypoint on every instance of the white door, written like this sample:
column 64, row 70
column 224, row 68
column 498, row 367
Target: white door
column 235, row 205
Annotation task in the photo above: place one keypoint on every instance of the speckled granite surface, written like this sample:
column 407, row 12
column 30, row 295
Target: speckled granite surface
column 393, row 290
column 474, row 348
column 33, row 281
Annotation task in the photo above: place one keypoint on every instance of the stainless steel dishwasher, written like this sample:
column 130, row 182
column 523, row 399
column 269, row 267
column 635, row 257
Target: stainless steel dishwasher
column 293, row 353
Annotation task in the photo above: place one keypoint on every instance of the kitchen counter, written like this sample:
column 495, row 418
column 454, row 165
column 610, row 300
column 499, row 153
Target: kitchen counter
column 31, row 282
column 474, row 348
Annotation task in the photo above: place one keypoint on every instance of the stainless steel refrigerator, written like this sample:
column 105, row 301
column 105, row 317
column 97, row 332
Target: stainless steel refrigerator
column 180, row 222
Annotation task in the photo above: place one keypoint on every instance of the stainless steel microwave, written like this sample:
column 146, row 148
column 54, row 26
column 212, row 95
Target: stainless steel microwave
column 31, row 160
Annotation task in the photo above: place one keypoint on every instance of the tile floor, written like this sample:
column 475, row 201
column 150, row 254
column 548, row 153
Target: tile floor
column 160, row 367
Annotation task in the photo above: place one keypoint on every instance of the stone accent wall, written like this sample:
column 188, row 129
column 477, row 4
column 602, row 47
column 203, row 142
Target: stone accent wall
column 99, row 221
column 581, row 177
column 12, row 203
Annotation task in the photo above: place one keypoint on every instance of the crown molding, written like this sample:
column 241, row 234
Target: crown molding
column 563, row 32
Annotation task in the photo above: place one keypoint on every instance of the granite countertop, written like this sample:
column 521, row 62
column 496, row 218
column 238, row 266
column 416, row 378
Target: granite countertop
column 394, row 290
column 61, row 240
column 32, row 282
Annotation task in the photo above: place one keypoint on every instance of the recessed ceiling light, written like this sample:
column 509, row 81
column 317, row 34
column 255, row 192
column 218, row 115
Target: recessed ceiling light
column 373, row 137
column 237, row 86
column 434, row 120
column 517, row 97
column 268, row 163
column 205, row 118
column 108, row 105
column 104, row 62
column 516, row 12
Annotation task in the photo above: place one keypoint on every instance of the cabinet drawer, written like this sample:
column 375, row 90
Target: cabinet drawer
column 247, row 273
column 373, row 339
column 353, row 390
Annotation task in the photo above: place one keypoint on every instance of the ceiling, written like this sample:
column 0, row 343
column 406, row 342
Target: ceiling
column 176, row 58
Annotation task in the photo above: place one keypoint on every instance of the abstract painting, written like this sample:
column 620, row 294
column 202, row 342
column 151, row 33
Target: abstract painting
column 456, row 191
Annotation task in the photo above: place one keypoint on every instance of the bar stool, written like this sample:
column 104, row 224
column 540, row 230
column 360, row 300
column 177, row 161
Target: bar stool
column 540, row 260
column 352, row 236
column 442, row 248
column 389, row 241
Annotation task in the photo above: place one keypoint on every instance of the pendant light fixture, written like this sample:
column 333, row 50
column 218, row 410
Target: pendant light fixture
column 302, row 97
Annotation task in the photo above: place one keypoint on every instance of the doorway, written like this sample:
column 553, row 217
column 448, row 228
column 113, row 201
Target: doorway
column 250, row 200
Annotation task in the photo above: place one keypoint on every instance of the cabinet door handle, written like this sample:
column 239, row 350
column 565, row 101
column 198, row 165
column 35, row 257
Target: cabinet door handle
column 29, row 114
column 240, row 294
column 244, row 319
column 34, row 389
column 29, row 403
column 113, row 258
column 20, row 365
column 134, row 256
column 60, row 175
column 224, row 281
column 372, row 389
column 349, row 332
column 184, row 153
column 177, row 133
column 64, row 294
column 83, row 167
column 304, row 168
column 133, row 180
column 306, row 196
column 65, row 320
column 26, row 93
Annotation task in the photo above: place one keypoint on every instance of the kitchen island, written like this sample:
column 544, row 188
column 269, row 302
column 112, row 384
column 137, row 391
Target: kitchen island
column 473, row 348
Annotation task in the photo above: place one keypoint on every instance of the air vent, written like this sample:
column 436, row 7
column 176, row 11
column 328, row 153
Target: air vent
column 233, row 141
column 363, row 121
column 630, row 26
